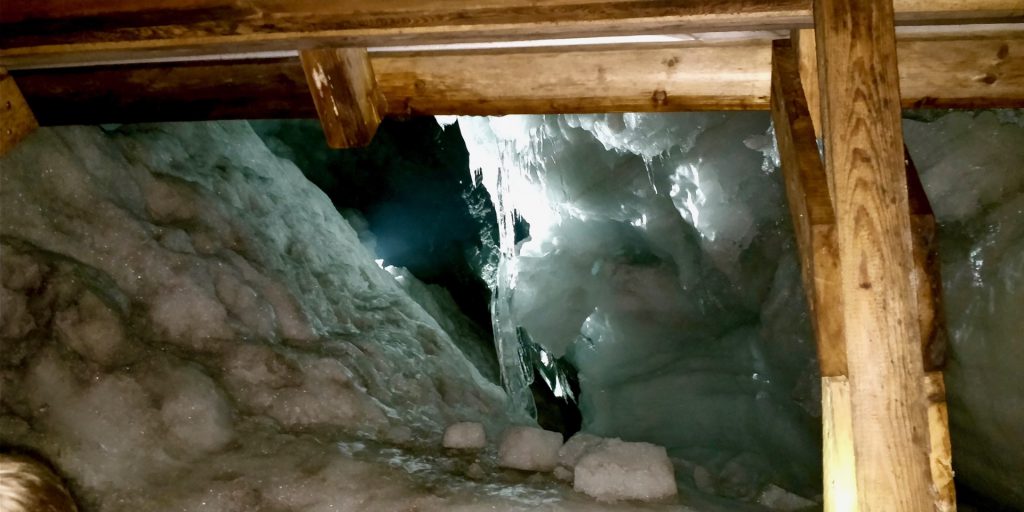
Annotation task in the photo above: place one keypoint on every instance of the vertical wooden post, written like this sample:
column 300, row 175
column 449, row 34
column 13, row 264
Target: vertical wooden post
column 928, row 292
column 864, row 157
column 805, row 46
column 344, row 89
column 16, row 119
column 814, row 224
column 931, row 321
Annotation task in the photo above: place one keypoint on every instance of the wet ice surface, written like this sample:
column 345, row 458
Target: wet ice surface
column 186, row 319
column 187, row 324
column 661, row 264
column 448, row 475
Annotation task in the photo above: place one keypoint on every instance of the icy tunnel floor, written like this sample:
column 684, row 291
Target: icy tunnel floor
column 473, row 481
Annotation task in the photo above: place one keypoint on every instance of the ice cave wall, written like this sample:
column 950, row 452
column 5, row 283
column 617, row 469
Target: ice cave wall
column 661, row 264
column 181, row 310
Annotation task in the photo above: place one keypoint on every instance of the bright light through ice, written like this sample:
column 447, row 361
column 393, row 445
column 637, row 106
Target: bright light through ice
column 380, row 263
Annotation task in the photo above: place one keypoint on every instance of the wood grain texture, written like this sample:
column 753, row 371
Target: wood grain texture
column 642, row 78
column 864, row 156
column 348, row 102
column 931, row 321
column 16, row 118
column 927, row 274
column 650, row 78
column 810, row 207
column 839, row 464
column 941, row 450
column 58, row 31
column 654, row 78
column 804, row 45
column 985, row 71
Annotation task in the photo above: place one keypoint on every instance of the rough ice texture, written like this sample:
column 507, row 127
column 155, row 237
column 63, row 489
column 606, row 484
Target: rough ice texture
column 186, row 323
column 577, row 446
column 465, row 435
column 615, row 470
column 661, row 263
column 529, row 449
column 671, row 283
column 971, row 166
column 438, row 302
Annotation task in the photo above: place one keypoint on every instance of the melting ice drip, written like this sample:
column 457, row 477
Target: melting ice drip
column 516, row 373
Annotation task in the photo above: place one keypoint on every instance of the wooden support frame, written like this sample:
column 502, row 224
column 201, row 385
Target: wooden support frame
column 814, row 223
column 636, row 78
column 16, row 118
column 810, row 206
column 345, row 92
column 863, row 136
column 47, row 32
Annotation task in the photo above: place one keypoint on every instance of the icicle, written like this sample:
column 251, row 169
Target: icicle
column 516, row 373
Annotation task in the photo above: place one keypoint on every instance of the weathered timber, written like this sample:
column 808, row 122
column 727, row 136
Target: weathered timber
column 940, row 70
column 861, row 125
column 814, row 225
column 55, row 31
column 16, row 118
column 927, row 275
column 688, row 76
column 804, row 46
column 838, row 461
column 651, row 78
column 931, row 320
column 344, row 90
column 810, row 207
column 940, row 449
column 642, row 78
column 188, row 91
column 981, row 71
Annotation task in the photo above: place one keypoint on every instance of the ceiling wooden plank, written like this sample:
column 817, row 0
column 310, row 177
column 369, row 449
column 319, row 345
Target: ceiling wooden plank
column 645, row 78
column 49, row 32
column 633, row 79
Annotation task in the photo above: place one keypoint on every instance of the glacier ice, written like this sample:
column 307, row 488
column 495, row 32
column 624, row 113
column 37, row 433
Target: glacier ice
column 186, row 323
column 668, row 278
column 189, row 324
column 661, row 265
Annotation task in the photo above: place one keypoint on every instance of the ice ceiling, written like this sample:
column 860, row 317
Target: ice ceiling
column 189, row 324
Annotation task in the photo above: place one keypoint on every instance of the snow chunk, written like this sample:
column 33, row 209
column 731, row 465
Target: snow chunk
column 529, row 448
column 576, row 447
column 617, row 470
column 777, row 498
column 465, row 435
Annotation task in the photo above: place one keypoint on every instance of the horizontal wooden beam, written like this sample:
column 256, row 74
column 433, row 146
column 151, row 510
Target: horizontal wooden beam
column 639, row 78
column 596, row 79
column 49, row 32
